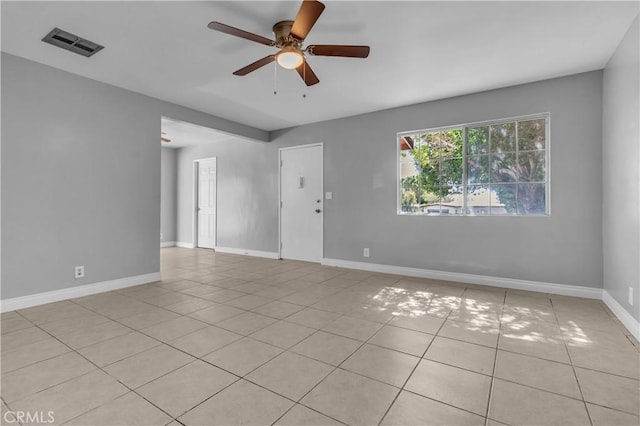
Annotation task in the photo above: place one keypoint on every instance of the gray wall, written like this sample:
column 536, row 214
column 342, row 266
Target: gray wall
column 80, row 178
column 621, row 161
column 168, row 194
column 247, row 179
column 360, row 170
column 81, row 184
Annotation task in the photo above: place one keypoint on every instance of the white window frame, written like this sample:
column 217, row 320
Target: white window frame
column 464, row 127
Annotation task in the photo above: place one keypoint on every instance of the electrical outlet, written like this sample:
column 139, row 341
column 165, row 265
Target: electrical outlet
column 79, row 271
column 365, row 252
column 631, row 296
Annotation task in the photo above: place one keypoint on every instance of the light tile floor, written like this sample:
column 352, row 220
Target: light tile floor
column 227, row 339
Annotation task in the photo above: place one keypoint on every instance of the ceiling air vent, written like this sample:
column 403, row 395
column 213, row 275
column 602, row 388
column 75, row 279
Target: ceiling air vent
column 71, row 42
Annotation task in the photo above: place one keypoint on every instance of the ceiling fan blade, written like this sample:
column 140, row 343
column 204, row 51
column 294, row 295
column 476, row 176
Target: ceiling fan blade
column 309, row 12
column 310, row 78
column 223, row 28
column 255, row 65
column 338, row 50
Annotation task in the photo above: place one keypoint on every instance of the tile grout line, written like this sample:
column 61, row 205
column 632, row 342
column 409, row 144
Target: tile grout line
column 335, row 367
column 173, row 370
column 98, row 368
column 402, row 388
column 72, row 350
column 573, row 368
column 118, row 380
column 495, row 362
column 267, row 389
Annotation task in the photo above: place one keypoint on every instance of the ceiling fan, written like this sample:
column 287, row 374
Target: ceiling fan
column 289, row 37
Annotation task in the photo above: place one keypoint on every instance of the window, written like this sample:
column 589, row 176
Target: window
column 488, row 168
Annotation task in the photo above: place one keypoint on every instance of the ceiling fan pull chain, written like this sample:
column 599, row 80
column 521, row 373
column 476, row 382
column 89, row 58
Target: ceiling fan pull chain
column 275, row 78
column 304, row 76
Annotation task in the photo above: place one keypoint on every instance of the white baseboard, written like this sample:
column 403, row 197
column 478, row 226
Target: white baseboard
column 562, row 289
column 625, row 317
column 73, row 292
column 168, row 244
column 231, row 250
column 255, row 253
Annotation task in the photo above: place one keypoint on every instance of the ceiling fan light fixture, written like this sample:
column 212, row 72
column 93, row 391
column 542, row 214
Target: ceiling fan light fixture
column 289, row 58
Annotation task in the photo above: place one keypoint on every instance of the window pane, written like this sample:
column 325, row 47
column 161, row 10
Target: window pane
column 408, row 195
column 442, row 201
column 503, row 137
column 478, row 199
column 452, row 200
column 531, row 166
column 531, row 135
column 451, row 172
column 430, row 174
column 504, row 199
column 478, row 140
column 408, row 164
column 531, row 198
column 430, row 200
column 451, row 142
column 431, row 142
column 477, row 169
column 503, row 168
column 429, row 159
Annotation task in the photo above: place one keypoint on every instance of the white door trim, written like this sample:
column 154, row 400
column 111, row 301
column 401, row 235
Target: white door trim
column 320, row 144
column 194, row 220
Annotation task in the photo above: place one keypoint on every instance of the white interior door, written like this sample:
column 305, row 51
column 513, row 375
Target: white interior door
column 206, row 204
column 301, row 207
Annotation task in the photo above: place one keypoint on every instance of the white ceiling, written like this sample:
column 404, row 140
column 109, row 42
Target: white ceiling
column 420, row 51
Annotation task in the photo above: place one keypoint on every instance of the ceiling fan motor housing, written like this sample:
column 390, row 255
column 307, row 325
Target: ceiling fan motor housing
column 282, row 31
